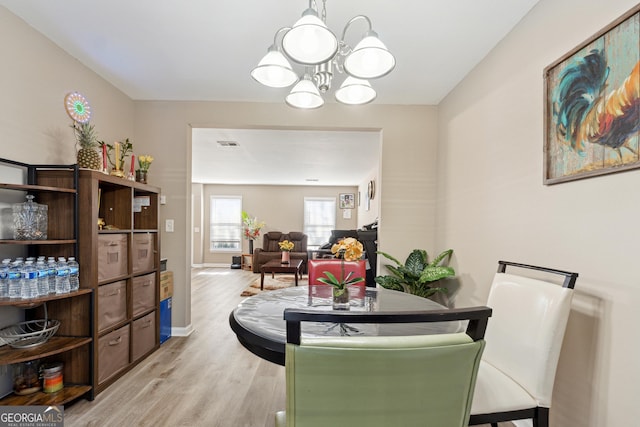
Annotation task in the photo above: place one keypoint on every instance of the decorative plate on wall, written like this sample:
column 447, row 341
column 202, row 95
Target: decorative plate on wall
column 77, row 107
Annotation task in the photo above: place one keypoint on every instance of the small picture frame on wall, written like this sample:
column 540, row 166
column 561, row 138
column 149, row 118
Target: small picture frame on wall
column 347, row 201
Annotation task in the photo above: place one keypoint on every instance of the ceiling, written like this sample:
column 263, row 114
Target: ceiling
column 284, row 157
column 203, row 50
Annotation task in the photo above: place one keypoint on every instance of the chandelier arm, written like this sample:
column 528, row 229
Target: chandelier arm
column 351, row 21
column 275, row 37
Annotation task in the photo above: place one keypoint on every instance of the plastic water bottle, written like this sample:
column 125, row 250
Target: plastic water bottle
column 29, row 281
column 51, row 274
column 43, row 277
column 74, row 271
column 15, row 280
column 4, row 277
column 62, row 276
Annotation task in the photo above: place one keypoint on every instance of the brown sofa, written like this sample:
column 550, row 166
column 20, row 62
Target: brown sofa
column 270, row 249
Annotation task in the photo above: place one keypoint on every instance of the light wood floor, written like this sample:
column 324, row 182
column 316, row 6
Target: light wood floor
column 207, row 379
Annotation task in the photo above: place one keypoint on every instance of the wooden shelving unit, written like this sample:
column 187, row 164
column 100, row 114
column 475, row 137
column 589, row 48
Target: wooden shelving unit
column 68, row 394
column 130, row 212
column 57, row 187
column 52, row 347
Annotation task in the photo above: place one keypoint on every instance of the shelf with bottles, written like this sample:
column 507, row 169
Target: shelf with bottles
column 57, row 187
column 35, row 302
column 24, row 281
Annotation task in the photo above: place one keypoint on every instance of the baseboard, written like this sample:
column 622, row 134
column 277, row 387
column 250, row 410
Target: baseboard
column 182, row 332
column 211, row 265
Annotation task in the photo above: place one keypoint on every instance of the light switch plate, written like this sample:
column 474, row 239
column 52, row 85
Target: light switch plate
column 168, row 226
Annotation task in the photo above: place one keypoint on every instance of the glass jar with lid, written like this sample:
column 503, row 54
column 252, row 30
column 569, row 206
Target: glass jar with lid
column 26, row 378
column 30, row 220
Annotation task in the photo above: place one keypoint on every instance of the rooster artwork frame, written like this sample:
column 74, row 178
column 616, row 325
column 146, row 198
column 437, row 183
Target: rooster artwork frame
column 592, row 105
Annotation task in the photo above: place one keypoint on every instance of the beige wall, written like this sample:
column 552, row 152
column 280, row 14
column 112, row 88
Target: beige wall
column 280, row 207
column 492, row 205
column 35, row 76
column 406, row 192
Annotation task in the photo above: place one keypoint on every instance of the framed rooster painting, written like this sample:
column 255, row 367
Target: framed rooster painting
column 592, row 105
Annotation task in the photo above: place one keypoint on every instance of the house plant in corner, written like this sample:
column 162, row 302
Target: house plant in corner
column 348, row 249
column 416, row 275
column 251, row 229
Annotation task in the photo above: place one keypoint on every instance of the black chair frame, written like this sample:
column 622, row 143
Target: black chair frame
column 476, row 327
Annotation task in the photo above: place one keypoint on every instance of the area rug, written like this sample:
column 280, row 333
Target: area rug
column 278, row 282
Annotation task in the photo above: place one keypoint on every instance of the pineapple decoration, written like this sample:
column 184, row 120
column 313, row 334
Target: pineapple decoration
column 79, row 110
column 88, row 157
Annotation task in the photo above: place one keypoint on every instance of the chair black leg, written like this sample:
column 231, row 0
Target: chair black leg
column 542, row 417
column 494, row 424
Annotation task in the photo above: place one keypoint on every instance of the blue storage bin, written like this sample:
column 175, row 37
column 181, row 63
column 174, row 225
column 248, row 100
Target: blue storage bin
column 165, row 320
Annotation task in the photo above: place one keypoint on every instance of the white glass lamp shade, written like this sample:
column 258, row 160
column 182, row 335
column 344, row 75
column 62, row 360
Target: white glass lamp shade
column 274, row 70
column 355, row 92
column 305, row 95
column 310, row 42
column 370, row 58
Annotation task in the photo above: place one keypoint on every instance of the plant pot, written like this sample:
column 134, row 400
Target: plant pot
column 286, row 257
column 141, row 176
column 250, row 246
column 340, row 298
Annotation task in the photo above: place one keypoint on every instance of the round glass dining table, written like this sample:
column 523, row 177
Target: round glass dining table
column 259, row 323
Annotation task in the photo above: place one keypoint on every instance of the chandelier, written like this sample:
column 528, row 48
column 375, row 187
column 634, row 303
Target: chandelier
column 311, row 44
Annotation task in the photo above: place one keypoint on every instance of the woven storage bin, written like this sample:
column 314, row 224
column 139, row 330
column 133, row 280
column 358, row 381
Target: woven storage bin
column 144, row 293
column 112, row 256
column 113, row 353
column 112, row 304
column 143, row 251
column 144, row 335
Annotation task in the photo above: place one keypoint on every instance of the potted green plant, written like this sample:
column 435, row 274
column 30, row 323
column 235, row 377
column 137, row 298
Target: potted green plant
column 348, row 249
column 416, row 275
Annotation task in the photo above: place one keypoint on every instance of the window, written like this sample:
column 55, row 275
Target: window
column 319, row 219
column 226, row 224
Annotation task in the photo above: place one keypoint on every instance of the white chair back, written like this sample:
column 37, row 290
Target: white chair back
column 525, row 335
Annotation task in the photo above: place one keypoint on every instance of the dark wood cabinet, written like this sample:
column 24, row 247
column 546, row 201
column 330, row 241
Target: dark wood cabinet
column 119, row 256
column 55, row 186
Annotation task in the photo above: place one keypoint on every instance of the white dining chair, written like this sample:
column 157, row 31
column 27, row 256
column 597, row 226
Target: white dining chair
column 524, row 338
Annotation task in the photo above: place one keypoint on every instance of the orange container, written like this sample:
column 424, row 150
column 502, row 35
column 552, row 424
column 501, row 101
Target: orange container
column 52, row 378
